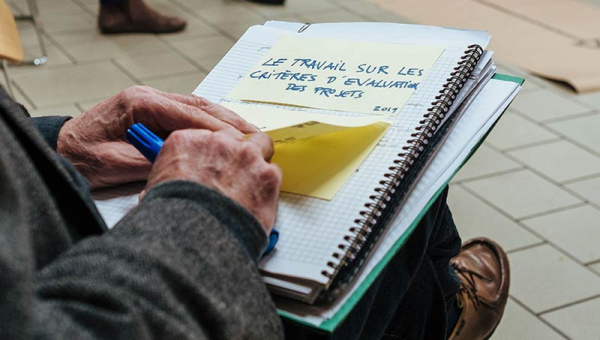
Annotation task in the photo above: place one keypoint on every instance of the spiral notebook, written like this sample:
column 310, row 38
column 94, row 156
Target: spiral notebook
column 324, row 244
column 330, row 251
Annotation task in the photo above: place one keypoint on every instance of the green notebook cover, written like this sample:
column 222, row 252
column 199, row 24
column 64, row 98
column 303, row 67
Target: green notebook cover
column 331, row 324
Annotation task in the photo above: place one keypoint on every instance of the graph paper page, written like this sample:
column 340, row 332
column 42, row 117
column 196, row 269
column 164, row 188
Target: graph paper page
column 311, row 229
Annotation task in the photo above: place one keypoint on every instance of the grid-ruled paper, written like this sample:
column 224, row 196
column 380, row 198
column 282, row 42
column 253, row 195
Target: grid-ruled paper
column 311, row 229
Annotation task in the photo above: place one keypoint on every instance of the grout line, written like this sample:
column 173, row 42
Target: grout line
column 22, row 92
column 184, row 56
column 490, row 175
column 530, row 230
column 527, row 247
column 588, row 113
column 592, row 263
column 529, row 145
column 79, row 107
column 534, row 314
column 125, row 71
column 580, row 179
column 552, row 211
column 567, row 305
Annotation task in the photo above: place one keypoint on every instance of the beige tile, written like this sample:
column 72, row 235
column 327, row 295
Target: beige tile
column 156, row 65
column 295, row 6
column 560, row 161
column 183, row 84
column 71, row 19
column 485, row 161
column 579, row 321
column 543, row 278
column 591, row 99
column 518, row 323
column 67, row 110
column 208, row 63
column 90, row 45
column 201, row 48
column 86, row 105
column 544, row 105
column 236, row 29
column 577, row 231
column 203, row 4
column 590, row 189
column 583, row 130
column 69, row 84
column 522, row 193
column 514, row 130
column 474, row 218
column 333, row 16
column 227, row 13
column 47, row 7
column 595, row 267
column 56, row 57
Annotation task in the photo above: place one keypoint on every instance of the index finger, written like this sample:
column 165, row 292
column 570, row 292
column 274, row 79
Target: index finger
column 218, row 111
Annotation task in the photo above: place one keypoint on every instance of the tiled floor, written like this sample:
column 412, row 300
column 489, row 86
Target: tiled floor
column 534, row 186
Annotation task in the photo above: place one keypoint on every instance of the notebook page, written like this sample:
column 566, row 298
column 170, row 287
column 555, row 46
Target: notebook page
column 311, row 229
column 465, row 135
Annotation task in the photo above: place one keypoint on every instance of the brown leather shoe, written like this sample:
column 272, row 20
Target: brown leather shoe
column 136, row 16
column 484, row 272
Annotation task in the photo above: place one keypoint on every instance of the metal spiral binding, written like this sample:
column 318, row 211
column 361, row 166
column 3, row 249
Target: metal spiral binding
column 359, row 234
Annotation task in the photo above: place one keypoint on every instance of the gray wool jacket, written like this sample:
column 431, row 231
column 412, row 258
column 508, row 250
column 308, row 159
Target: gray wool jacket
column 182, row 265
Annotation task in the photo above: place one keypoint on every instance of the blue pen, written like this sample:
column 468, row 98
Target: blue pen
column 149, row 145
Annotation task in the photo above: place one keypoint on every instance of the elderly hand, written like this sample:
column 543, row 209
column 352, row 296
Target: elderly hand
column 95, row 141
column 226, row 162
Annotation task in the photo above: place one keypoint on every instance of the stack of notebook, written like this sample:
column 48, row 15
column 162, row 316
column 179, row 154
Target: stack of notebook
column 336, row 236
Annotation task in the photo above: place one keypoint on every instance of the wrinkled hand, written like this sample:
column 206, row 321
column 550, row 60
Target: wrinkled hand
column 226, row 162
column 95, row 141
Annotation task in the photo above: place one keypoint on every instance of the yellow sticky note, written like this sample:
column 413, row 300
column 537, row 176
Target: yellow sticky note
column 317, row 152
column 320, row 166
column 286, row 125
column 353, row 76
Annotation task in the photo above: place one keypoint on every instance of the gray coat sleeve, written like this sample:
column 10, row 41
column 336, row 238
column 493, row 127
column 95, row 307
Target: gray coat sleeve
column 182, row 265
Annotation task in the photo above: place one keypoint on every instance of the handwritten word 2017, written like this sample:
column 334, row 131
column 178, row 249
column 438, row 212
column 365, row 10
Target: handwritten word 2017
column 380, row 108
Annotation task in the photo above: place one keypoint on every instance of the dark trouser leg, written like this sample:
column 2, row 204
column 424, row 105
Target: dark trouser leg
column 409, row 298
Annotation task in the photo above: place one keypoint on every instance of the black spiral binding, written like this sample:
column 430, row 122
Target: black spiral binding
column 385, row 200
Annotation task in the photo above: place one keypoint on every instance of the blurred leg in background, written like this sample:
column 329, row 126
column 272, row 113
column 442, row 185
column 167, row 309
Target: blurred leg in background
column 125, row 16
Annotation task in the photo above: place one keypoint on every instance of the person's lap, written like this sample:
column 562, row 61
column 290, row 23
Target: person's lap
column 418, row 284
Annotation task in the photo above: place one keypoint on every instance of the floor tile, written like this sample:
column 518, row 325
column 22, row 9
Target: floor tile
column 201, row 48
column 589, row 188
column 544, row 105
column 591, row 99
column 195, row 26
column 333, row 16
column 208, row 63
column 235, row 30
column 68, row 20
column 514, row 131
column 228, row 13
column 295, row 6
column 68, row 84
column 561, row 161
column 566, row 228
column 474, row 218
column 579, row 321
column 543, row 278
column 522, row 193
column 183, row 84
column 90, row 45
column 518, row 323
column 68, row 110
column 156, row 65
column 485, row 161
column 583, row 130
column 56, row 57
column 595, row 267
column 48, row 7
